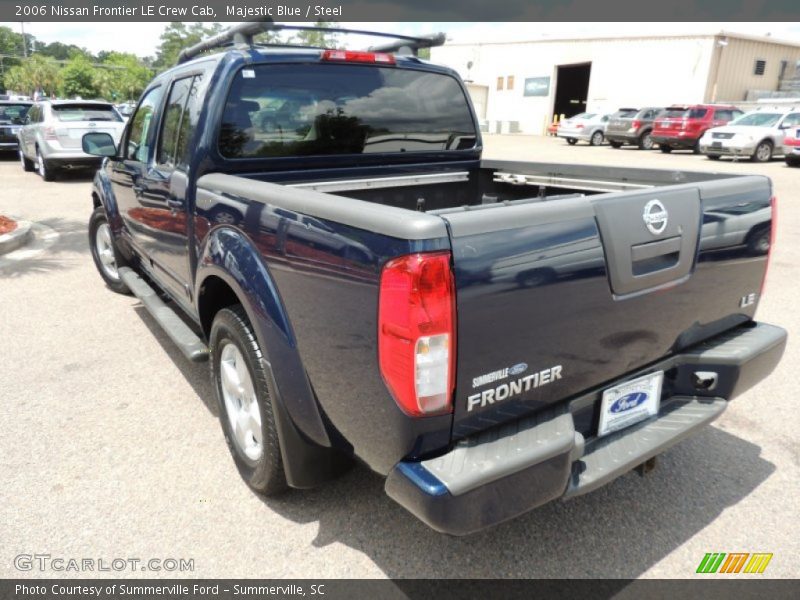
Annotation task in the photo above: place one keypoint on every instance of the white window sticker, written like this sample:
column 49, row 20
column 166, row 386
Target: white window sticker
column 248, row 74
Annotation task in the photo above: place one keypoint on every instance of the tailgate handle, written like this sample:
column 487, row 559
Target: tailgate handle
column 655, row 256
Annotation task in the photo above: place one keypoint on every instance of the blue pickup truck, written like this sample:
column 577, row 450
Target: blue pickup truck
column 319, row 225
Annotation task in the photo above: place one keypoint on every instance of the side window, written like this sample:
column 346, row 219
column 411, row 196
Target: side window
column 171, row 127
column 180, row 120
column 792, row 120
column 136, row 146
column 723, row 115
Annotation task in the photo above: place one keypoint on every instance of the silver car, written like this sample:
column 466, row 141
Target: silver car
column 51, row 137
column 589, row 127
column 757, row 135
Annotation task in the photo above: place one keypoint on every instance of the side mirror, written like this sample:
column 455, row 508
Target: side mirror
column 98, row 144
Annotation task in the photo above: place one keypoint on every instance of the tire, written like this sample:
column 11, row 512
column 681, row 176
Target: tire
column 27, row 163
column 615, row 144
column 45, row 169
column 665, row 149
column 763, row 152
column 758, row 241
column 713, row 156
column 645, row 141
column 572, row 141
column 792, row 162
column 101, row 244
column 241, row 385
column 696, row 147
column 597, row 138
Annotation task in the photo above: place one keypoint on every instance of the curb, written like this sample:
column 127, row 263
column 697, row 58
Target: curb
column 16, row 239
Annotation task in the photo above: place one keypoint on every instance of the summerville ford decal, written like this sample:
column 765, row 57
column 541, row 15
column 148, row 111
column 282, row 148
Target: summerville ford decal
column 513, row 388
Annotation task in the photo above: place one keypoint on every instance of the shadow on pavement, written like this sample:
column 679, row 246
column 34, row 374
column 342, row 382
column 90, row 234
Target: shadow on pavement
column 72, row 238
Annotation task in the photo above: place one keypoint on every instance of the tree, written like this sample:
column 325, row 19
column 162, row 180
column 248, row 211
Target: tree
column 61, row 51
column 78, row 78
column 177, row 36
column 123, row 78
column 35, row 73
column 319, row 39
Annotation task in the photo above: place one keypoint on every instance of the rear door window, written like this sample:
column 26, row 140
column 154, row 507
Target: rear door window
column 324, row 109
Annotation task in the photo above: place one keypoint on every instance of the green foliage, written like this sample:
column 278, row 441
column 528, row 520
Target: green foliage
column 124, row 77
column 36, row 73
column 320, row 39
column 78, row 78
column 177, row 36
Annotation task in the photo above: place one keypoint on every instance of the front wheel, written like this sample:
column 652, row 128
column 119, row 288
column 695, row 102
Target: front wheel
column 572, row 141
column 27, row 164
column 241, row 384
column 106, row 257
column 665, row 149
column 615, row 144
column 645, row 141
column 763, row 152
column 713, row 156
column 597, row 138
column 792, row 162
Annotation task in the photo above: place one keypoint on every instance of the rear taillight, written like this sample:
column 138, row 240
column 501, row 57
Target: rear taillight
column 50, row 133
column 358, row 57
column 579, row 126
column 416, row 332
column 636, row 124
column 773, row 230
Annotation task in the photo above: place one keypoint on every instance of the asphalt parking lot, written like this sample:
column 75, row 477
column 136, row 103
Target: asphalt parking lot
column 110, row 446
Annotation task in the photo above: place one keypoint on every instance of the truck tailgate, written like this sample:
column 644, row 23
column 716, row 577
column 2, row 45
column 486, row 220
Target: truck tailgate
column 557, row 297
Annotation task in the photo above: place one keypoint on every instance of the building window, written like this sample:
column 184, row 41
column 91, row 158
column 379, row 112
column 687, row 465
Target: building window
column 510, row 82
column 761, row 66
column 499, row 83
column 784, row 65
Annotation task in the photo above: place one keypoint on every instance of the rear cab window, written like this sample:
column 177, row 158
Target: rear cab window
column 326, row 109
column 84, row 112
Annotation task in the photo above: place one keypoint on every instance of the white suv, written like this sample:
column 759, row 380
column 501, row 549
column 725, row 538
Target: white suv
column 757, row 135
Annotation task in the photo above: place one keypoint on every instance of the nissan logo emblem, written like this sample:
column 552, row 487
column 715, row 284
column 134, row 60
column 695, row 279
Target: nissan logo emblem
column 655, row 217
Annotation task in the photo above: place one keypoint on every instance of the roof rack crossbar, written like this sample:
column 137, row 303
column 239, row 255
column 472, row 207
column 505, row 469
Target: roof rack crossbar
column 242, row 34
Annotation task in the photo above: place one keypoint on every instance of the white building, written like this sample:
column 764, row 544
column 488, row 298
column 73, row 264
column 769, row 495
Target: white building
column 520, row 86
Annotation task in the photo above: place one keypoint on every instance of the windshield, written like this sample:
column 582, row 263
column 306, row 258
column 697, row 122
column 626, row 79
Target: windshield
column 291, row 110
column 85, row 112
column 758, row 119
column 13, row 113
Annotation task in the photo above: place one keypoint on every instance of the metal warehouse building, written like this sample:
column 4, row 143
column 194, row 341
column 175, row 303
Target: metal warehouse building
column 519, row 86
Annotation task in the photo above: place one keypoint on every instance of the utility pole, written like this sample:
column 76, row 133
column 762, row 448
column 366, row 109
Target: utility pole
column 24, row 42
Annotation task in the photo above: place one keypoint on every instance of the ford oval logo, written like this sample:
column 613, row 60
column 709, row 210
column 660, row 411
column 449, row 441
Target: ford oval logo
column 628, row 401
column 518, row 368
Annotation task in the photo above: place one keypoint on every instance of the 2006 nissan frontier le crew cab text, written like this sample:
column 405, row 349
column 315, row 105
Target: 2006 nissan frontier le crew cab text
column 320, row 226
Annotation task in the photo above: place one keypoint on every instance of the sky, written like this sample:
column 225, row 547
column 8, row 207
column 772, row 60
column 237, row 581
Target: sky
column 143, row 38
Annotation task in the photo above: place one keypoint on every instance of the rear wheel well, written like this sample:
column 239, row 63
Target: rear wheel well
column 95, row 200
column 214, row 295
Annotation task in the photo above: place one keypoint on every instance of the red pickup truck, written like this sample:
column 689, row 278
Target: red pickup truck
column 681, row 127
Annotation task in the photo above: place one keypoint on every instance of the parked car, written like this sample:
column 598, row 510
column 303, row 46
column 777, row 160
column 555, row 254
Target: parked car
column 51, row 136
column 632, row 126
column 552, row 129
column 385, row 305
column 791, row 146
column 589, row 127
column 758, row 135
column 681, row 127
column 125, row 109
column 12, row 117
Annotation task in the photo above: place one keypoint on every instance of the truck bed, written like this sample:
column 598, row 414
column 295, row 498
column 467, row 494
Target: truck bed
column 554, row 267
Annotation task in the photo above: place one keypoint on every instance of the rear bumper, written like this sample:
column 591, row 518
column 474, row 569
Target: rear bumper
column 574, row 134
column 506, row 471
column 676, row 141
column 622, row 137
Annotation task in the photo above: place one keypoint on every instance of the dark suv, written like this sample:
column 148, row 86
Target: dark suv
column 681, row 127
column 632, row 126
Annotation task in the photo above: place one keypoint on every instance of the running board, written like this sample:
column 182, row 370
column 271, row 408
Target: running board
column 179, row 332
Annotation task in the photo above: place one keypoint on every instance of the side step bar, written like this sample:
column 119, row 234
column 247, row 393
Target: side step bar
column 179, row 332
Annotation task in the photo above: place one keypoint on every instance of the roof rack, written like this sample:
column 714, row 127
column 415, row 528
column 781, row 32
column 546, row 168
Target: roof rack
column 241, row 36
